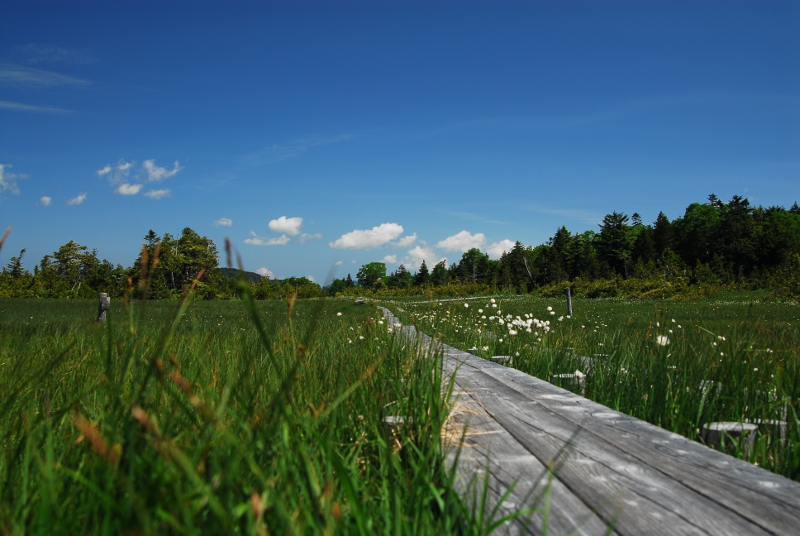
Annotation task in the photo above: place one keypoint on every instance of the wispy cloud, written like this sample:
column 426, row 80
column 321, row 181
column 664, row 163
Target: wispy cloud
column 42, row 53
column 119, row 175
column 8, row 180
column 256, row 240
column 45, row 201
column 158, row 194
column 475, row 217
column 390, row 259
column 277, row 152
column 223, row 222
column 16, row 75
column 305, row 237
column 76, row 201
column 19, row 107
column 368, row 238
column 158, row 174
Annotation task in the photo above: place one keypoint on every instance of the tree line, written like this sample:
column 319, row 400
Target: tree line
column 714, row 245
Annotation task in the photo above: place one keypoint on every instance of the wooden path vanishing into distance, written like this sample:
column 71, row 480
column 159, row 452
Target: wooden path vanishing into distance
column 611, row 473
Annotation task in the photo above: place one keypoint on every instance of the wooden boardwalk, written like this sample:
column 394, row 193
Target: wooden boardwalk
column 611, row 473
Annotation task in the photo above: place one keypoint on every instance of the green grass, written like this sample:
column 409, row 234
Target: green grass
column 219, row 418
column 748, row 347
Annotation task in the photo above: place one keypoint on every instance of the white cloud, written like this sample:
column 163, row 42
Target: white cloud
column 158, row 174
column 19, row 107
column 289, row 226
column 418, row 254
column 306, row 237
column 8, row 181
column 497, row 249
column 368, row 238
column 45, row 201
column 266, row 272
column 311, row 278
column 128, row 189
column 158, row 194
column 462, row 241
column 337, row 263
column 406, row 241
column 390, row 259
column 256, row 240
column 116, row 174
column 223, row 222
column 76, row 201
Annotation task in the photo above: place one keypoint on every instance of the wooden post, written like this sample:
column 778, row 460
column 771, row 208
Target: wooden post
column 103, row 305
column 727, row 435
column 568, row 292
column 506, row 360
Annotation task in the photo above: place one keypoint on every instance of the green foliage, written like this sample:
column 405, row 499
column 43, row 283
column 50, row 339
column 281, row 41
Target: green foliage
column 219, row 418
column 440, row 276
column 370, row 274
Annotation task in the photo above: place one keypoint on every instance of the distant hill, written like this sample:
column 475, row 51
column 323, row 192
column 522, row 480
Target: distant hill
column 232, row 273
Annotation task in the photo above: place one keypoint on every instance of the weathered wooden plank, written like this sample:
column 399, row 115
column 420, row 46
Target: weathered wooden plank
column 724, row 478
column 614, row 484
column 488, row 446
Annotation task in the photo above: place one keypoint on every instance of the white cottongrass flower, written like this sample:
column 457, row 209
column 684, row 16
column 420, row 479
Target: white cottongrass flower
column 552, row 313
column 549, row 308
column 338, row 314
column 466, row 306
column 662, row 340
column 494, row 305
column 480, row 310
column 492, row 300
column 512, row 332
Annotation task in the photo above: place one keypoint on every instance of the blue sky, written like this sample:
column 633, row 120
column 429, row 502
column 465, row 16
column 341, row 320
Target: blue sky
column 317, row 133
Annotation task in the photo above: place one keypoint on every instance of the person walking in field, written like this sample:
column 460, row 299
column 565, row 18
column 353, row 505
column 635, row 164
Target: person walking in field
column 104, row 304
